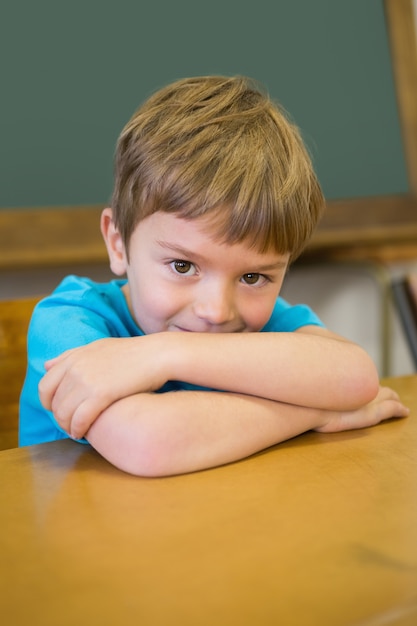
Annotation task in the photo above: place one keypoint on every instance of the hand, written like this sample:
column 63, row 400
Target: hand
column 81, row 383
column 384, row 406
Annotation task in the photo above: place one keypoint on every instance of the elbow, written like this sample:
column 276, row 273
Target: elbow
column 140, row 456
column 140, row 453
column 364, row 391
column 349, row 386
column 135, row 438
column 150, row 462
column 362, row 386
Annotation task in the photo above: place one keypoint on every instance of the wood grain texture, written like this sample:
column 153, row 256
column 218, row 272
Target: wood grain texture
column 319, row 530
column 14, row 321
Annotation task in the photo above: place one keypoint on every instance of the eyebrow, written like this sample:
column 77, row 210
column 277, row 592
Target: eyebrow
column 179, row 250
column 184, row 252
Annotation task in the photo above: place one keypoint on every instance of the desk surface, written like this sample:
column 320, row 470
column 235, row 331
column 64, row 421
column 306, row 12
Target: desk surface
column 318, row 531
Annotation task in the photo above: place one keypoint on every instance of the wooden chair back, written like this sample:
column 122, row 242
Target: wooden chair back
column 14, row 321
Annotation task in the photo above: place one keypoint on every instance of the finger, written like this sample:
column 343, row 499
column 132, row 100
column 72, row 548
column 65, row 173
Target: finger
column 48, row 385
column 386, row 393
column 63, row 410
column 49, row 364
column 84, row 416
column 392, row 408
column 74, row 411
column 58, row 359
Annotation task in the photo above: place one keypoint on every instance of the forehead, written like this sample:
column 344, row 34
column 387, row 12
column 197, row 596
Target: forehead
column 197, row 238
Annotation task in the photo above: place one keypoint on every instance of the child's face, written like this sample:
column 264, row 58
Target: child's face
column 181, row 279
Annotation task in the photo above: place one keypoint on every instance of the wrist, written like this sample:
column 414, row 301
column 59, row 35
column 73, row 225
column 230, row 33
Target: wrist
column 326, row 420
column 152, row 358
column 168, row 349
column 178, row 360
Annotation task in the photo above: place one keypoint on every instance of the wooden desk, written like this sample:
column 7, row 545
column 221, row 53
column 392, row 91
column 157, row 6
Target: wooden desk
column 319, row 531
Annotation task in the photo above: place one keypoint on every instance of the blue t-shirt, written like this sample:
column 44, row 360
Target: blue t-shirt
column 80, row 311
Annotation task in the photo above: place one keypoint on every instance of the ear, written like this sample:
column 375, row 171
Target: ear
column 115, row 246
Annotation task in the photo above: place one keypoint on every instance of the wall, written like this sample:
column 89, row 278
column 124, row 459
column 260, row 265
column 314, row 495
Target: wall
column 350, row 299
column 76, row 71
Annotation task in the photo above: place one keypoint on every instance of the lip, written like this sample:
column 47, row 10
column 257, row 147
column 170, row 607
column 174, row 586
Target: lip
column 179, row 329
column 205, row 331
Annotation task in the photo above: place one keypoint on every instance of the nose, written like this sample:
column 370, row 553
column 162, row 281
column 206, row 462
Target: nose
column 216, row 303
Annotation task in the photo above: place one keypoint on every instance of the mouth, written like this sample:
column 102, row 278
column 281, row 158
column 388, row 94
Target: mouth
column 180, row 329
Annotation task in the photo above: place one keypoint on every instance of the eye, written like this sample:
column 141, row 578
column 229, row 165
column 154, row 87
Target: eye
column 253, row 278
column 183, row 267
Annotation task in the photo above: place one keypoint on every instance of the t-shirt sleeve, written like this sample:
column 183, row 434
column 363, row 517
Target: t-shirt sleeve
column 74, row 315
column 288, row 318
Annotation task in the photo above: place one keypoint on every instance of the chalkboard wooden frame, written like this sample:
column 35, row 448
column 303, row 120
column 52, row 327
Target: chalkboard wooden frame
column 382, row 227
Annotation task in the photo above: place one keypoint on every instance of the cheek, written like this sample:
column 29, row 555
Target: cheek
column 159, row 299
column 151, row 310
column 258, row 313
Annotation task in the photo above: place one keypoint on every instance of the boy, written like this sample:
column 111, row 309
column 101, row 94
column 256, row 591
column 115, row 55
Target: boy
column 194, row 360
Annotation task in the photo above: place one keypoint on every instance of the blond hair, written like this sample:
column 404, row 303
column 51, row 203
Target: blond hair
column 219, row 147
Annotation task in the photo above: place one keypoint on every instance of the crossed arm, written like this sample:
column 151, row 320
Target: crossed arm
column 279, row 385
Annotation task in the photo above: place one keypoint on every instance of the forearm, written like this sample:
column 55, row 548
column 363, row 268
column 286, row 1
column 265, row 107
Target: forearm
column 296, row 368
column 301, row 369
column 180, row 432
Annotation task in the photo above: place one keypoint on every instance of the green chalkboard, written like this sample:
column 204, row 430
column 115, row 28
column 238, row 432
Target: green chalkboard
column 73, row 73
